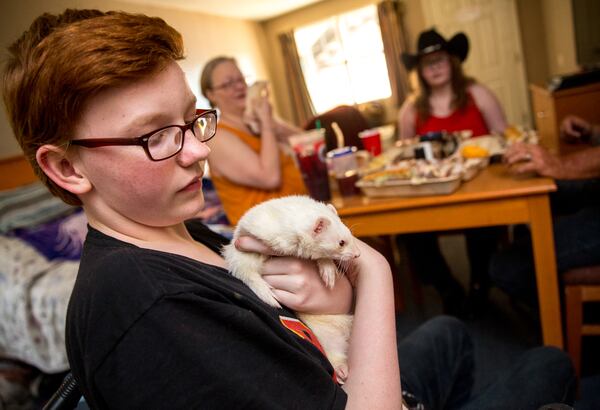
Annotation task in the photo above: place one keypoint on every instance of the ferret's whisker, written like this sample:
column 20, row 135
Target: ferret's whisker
column 354, row 225
column 344, row 265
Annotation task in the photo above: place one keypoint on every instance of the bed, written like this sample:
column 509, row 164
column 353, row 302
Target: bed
column 40, row 245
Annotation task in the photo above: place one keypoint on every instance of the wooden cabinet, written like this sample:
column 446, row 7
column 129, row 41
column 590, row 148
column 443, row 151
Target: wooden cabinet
column 550, row 108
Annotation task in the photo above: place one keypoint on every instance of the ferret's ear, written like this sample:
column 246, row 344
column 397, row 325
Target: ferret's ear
column 332, row 208
column 320, row 226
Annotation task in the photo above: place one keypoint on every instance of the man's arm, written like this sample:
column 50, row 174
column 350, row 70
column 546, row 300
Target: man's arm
column 524, row 158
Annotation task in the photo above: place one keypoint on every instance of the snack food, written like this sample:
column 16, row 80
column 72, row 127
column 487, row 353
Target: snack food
column 417, row 170
column 514, row 134
column 474, row 151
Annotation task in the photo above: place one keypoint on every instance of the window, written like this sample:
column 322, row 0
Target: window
column 342, row 59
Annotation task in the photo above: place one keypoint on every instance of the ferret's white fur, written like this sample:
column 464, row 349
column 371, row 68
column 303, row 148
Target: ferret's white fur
column 302, row 227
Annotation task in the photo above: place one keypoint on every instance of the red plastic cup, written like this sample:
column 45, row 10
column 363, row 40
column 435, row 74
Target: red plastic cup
column 371, row 140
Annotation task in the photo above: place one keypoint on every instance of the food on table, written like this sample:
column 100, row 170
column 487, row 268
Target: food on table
column 417, row 170
column 389, row 174
column 381, row 161
column 514, row 134
column 474, row 151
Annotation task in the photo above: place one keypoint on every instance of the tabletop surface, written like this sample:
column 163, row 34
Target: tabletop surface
column 493, row 182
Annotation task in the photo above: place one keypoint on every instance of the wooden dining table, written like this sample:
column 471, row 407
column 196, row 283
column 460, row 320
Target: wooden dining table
column 493, row 197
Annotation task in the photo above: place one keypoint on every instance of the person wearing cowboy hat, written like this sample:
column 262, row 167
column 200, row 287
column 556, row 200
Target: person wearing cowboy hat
column 447, row 100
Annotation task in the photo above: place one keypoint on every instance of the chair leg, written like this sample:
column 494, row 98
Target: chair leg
column 574, row 322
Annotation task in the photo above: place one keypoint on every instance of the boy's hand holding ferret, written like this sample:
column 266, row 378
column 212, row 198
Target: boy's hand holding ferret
column 296, row 282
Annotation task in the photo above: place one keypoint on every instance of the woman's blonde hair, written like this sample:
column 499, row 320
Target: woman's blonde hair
column 460, row 82
column 62, row 61
column 207, row 73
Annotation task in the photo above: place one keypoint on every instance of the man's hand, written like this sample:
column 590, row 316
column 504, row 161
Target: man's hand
column 297, row 284
column 574, row 128
column 526, row 158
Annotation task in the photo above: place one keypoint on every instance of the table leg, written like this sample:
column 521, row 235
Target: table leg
column 545, row 270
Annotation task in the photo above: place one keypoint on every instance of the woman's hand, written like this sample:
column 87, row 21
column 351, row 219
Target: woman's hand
column 263, row 110
column 296, row 282
column 525, row 158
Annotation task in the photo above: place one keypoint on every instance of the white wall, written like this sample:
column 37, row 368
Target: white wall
column 560, row 36
column 204, row 36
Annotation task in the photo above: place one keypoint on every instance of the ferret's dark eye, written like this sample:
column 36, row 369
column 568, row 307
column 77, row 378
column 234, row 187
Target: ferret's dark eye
column 342, row 243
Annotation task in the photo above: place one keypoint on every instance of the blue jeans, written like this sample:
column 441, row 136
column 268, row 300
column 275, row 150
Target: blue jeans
column 436, row 366
column 577, row 243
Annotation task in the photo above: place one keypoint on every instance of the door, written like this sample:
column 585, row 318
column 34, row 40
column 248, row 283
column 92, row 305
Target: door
column 495, row 54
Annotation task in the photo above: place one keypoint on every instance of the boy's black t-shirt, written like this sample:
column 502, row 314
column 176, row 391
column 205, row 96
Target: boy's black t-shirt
column 149, row 329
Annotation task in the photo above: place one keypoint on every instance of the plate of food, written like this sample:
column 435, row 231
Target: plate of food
column 415, row 177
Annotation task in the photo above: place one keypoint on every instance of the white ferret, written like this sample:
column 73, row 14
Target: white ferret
column 302, row 227
column 256, row 91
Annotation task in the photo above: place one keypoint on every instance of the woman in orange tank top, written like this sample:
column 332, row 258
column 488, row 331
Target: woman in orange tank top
column 447, row 100
column 246, row 168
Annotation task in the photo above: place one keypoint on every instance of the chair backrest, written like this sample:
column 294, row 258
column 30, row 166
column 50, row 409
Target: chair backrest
column 350, row 121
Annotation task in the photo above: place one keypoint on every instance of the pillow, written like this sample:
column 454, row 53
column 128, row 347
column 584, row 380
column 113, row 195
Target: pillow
column 60, row 238
column 28, row 206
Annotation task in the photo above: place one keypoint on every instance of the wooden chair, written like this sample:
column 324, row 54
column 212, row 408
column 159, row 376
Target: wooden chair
column 581, row 285
column 350, row 120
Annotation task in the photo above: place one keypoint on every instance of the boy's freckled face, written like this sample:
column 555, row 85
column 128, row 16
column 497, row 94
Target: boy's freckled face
column 124, row 179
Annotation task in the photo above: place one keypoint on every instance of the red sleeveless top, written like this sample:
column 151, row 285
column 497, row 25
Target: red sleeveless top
column 467, row 118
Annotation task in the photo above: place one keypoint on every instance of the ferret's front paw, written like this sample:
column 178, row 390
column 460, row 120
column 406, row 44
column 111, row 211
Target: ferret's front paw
column 264, row 293
column 328, row 272
column 341, row 372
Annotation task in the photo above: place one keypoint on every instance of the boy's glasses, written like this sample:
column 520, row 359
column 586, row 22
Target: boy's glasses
column 164, row 142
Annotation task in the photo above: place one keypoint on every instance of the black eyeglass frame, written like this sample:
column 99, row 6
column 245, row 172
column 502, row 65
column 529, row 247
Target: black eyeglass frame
column 142, row 140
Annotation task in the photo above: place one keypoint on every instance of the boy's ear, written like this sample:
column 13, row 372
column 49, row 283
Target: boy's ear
column 61, row 170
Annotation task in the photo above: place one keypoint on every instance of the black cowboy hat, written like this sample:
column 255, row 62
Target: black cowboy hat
column 431, row 41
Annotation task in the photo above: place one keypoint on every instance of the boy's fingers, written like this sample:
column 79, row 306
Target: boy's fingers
column 250, row 244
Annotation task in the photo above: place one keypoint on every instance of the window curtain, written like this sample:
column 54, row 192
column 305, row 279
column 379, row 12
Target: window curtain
column 302, row 106
column 394, row 43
